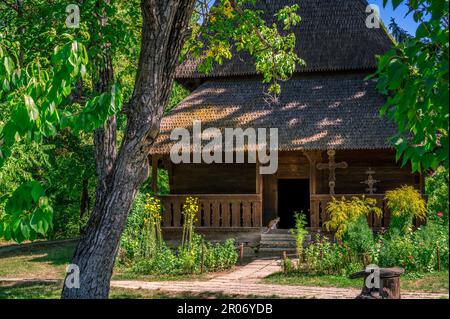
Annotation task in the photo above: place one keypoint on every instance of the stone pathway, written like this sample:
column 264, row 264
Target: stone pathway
column 245, row 281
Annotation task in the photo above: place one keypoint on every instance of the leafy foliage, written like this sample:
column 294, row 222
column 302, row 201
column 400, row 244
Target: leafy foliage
column 186, row 259
column 343, row 212
column 405, row 204
column 425, row 250
column 399, row 34
column 42, row 66
column 152, row 235
column 300, row 232
column 48, row 75
column 437, row 191
column 414, row 76
column 27, row 213
column 229, row 26
column 326, row 257
column 190, row 212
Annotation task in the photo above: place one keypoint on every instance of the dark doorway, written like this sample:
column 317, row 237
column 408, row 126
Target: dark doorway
column 293, row 196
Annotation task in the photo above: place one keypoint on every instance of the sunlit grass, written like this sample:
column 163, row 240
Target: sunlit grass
column 426, row 282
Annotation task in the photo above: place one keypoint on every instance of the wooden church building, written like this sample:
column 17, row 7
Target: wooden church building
column 332, row 141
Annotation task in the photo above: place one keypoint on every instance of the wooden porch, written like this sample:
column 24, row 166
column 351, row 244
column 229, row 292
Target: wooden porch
column 246, row 200
column 225, row 211
column 245, row 210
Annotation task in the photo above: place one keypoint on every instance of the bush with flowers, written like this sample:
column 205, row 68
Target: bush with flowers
column 406, row 204
column 424, row 249
column 143, row 250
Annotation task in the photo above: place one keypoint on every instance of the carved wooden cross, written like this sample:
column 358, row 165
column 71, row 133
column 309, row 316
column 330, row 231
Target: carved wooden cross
column 370, row 182
column 331, row 166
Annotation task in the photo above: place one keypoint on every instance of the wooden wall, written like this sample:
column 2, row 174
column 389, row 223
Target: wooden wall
column 213, row 179
column 241, row 178
column 348, row 181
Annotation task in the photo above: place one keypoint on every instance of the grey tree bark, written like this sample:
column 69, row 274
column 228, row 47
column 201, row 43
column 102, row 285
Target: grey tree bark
column 164, row 30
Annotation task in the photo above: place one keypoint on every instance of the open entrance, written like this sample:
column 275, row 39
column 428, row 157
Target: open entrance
column 293, row 196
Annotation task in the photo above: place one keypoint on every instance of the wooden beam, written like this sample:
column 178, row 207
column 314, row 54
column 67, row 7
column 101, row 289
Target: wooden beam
column 259, row 182
column 154, row 174
column 314, row 206
column 313, row 157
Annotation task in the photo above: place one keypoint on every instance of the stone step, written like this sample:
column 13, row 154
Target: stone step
column 278, row 244
column 276, row 250
column 277, row 236
column 277, row 231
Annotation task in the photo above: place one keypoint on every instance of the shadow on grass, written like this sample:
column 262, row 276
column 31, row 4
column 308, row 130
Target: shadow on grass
column 55, row 255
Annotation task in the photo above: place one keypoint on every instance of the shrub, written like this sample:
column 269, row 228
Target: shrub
column 131, row 240
column 359, row 237
column 221, row 256
column 287, row 265
column 163, row 262
column 437, row 190
column 324, row 257
column 405, row 204
column 188, row 260
column 397, row 250
column 144, row 251
column 344, row 212
column 349, row 219
column 417, row 251
column 429, row 242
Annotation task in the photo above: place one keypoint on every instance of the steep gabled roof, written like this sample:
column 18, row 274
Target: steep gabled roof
column 332, row 36
column 314, row 112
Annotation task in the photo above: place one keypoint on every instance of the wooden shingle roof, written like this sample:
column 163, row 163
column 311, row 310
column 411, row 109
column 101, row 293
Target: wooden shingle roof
column 314, row 112
column 332, row 36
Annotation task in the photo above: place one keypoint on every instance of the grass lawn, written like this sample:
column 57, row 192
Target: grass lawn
column 429, row 282
column 44, row 262
column 49, row 262
column 53, row 291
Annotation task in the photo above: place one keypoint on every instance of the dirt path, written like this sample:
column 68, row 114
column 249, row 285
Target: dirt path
column 245, row 281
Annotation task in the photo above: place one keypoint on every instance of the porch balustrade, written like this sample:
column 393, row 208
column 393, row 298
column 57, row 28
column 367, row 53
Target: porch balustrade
column 227, row 211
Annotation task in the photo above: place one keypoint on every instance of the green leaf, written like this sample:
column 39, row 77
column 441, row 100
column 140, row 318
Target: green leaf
column 33, row 112
column 422, row 31
column 39, row 222
column 396, row 3
column 36, row 191
column 9, row 65
column 25, row 228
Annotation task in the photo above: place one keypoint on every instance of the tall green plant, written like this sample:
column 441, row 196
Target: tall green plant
column 152, row 235
column 190, row 211
column 300, row 232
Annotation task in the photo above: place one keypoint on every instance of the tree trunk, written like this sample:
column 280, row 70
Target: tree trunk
column 164, row 31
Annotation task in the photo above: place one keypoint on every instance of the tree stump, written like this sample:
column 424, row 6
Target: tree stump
column 389, row 284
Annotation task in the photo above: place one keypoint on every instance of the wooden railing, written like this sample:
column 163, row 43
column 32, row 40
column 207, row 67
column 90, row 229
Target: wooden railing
column 225, row 210
column 319, row 213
